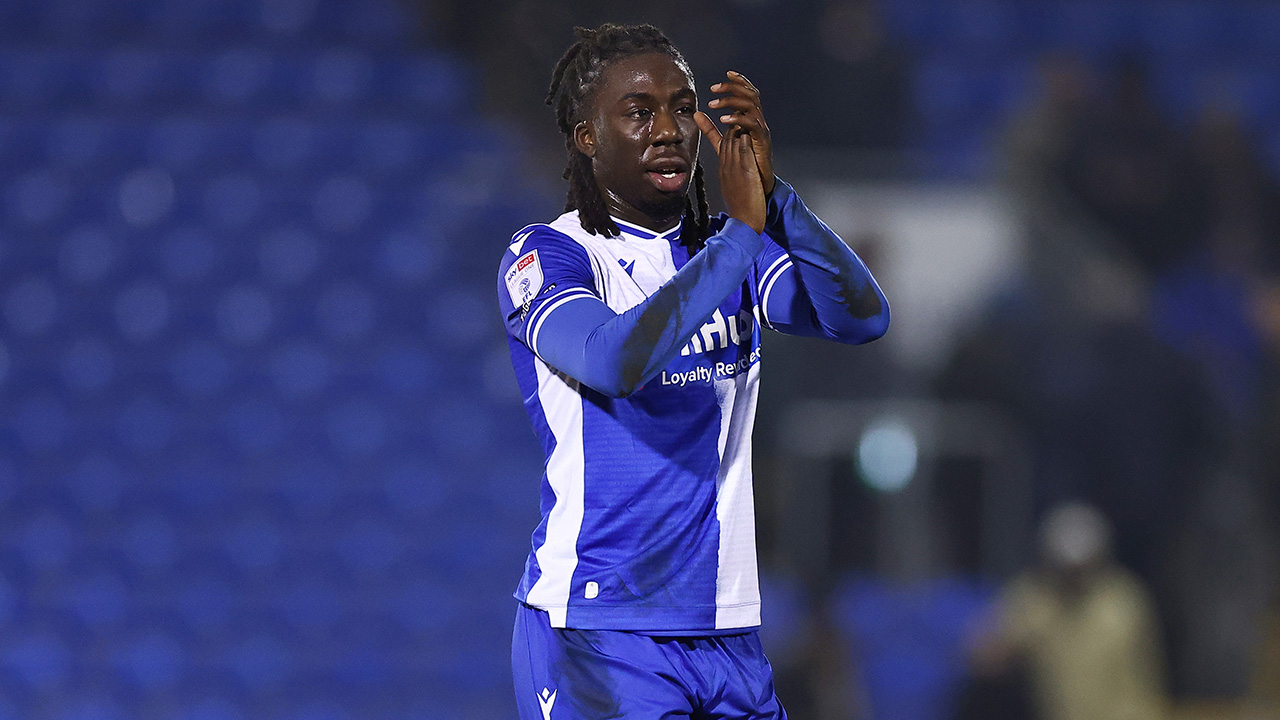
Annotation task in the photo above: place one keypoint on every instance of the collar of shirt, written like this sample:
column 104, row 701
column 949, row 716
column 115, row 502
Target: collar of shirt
column 637, row 231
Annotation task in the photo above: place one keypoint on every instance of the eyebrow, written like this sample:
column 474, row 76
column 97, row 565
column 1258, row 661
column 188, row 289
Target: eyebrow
column 679, row 94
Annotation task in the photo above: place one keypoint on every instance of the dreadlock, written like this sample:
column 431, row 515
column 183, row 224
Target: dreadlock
column 571, row 85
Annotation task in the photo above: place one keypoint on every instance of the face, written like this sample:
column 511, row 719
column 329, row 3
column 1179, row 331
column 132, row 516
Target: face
column 642, row 139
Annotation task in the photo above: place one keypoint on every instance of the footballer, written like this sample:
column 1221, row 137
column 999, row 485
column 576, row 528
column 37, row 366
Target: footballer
column 634, row 323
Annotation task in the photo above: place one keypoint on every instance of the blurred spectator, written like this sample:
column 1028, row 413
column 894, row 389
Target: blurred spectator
column 1128, row 169
column 1202, row 309
column 1203, row 305
column 818, row 681
column 1039, row 135
column 1214, row 308
column 998, row 688
column 1241, row 190
column 1266, row 313
column 1085, row 626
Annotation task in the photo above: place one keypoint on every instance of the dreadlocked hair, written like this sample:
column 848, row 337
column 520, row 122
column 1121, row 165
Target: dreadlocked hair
column 572, row 82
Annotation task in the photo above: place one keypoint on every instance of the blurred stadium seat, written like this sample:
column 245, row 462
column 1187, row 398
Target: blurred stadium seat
column 242, row 373
column 976, row 60
column 910, row 640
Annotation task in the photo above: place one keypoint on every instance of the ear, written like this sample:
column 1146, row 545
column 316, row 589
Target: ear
column 584, row 137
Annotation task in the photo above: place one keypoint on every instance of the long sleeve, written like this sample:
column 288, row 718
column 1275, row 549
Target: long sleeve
column 811, row 282
column 566, row 324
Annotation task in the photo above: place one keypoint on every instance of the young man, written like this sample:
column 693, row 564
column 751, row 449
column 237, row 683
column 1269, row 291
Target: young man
column 634, row 322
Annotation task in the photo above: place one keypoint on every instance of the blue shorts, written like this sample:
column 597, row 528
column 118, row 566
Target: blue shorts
column 595, row 674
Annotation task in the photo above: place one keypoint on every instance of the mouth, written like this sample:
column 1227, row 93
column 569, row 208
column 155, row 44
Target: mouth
column 669, row 182
column 670, row 175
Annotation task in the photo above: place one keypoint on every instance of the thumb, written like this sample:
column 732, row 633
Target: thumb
column 708, row 128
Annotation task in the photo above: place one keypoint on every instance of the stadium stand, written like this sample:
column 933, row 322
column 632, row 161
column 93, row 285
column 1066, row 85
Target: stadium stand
column 257, row 461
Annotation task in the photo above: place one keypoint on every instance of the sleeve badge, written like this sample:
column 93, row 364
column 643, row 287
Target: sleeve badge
column 524, row 278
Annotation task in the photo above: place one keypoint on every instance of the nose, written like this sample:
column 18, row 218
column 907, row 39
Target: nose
column 666, row 131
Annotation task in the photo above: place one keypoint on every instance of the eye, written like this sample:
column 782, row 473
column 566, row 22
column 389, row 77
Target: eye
column 686, row 110
column 638, row 113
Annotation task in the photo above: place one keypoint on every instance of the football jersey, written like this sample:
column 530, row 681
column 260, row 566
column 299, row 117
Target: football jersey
column 647, row 509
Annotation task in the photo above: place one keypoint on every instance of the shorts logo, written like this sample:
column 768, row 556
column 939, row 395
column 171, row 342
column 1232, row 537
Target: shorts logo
column 524, row 278
column 546, row 699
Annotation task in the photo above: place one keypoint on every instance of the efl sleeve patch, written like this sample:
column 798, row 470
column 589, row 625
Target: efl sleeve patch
column 524, row 278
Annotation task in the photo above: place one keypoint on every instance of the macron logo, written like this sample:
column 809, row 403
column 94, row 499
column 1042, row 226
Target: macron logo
column 546, row 700
column 628, row 266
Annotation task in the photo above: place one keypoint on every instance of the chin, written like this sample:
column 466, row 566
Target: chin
column 665, row 204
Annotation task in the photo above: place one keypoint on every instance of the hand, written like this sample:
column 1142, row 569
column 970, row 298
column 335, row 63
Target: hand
column 743, row 99
column 739, row 174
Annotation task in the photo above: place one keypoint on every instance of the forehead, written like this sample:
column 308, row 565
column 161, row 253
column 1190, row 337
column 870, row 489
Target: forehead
column 655, row 73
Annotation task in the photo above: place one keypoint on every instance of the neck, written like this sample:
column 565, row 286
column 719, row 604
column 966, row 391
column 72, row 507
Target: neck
column 658, row 222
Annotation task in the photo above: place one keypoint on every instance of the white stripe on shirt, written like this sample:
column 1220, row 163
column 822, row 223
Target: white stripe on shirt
column 558, row 555
column 535, row 326
column 737, row 580
column 764, row 296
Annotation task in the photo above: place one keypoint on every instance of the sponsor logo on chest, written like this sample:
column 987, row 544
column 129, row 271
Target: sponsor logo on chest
column 717, row 334
column 720, row 332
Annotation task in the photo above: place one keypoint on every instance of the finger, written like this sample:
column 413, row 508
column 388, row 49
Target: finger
column 736, row 88
column 725, row 146
column 735, row 103
column 746, row 123
column 730, row 91
column 708, row 128
column 735, row 75
column 747, row 153
column 741, row 145
column 737, row 85
column 743, row 155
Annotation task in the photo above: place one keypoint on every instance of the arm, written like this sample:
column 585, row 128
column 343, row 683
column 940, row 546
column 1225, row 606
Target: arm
column 572, row 329
column 617, row 354
column 811, row 283
column 555, row 311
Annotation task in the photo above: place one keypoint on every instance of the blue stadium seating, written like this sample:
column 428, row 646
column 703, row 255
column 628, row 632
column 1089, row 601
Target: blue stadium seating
column 246, row 291
column 910, row 640
column 975, row 59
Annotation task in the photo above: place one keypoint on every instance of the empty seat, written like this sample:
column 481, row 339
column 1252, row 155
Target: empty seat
column 910, row 641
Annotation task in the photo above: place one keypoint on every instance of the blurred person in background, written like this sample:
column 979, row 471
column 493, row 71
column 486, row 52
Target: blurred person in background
column 997, row 687
column 1265, row 680
column 1084, row 626
column 1209, row 307
column 1038, row 136
column 1133, row 174
column 818, row 673
column 1204, row 302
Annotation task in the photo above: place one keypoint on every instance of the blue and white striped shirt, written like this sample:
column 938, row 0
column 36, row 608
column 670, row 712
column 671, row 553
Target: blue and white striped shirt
column 647, row 510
